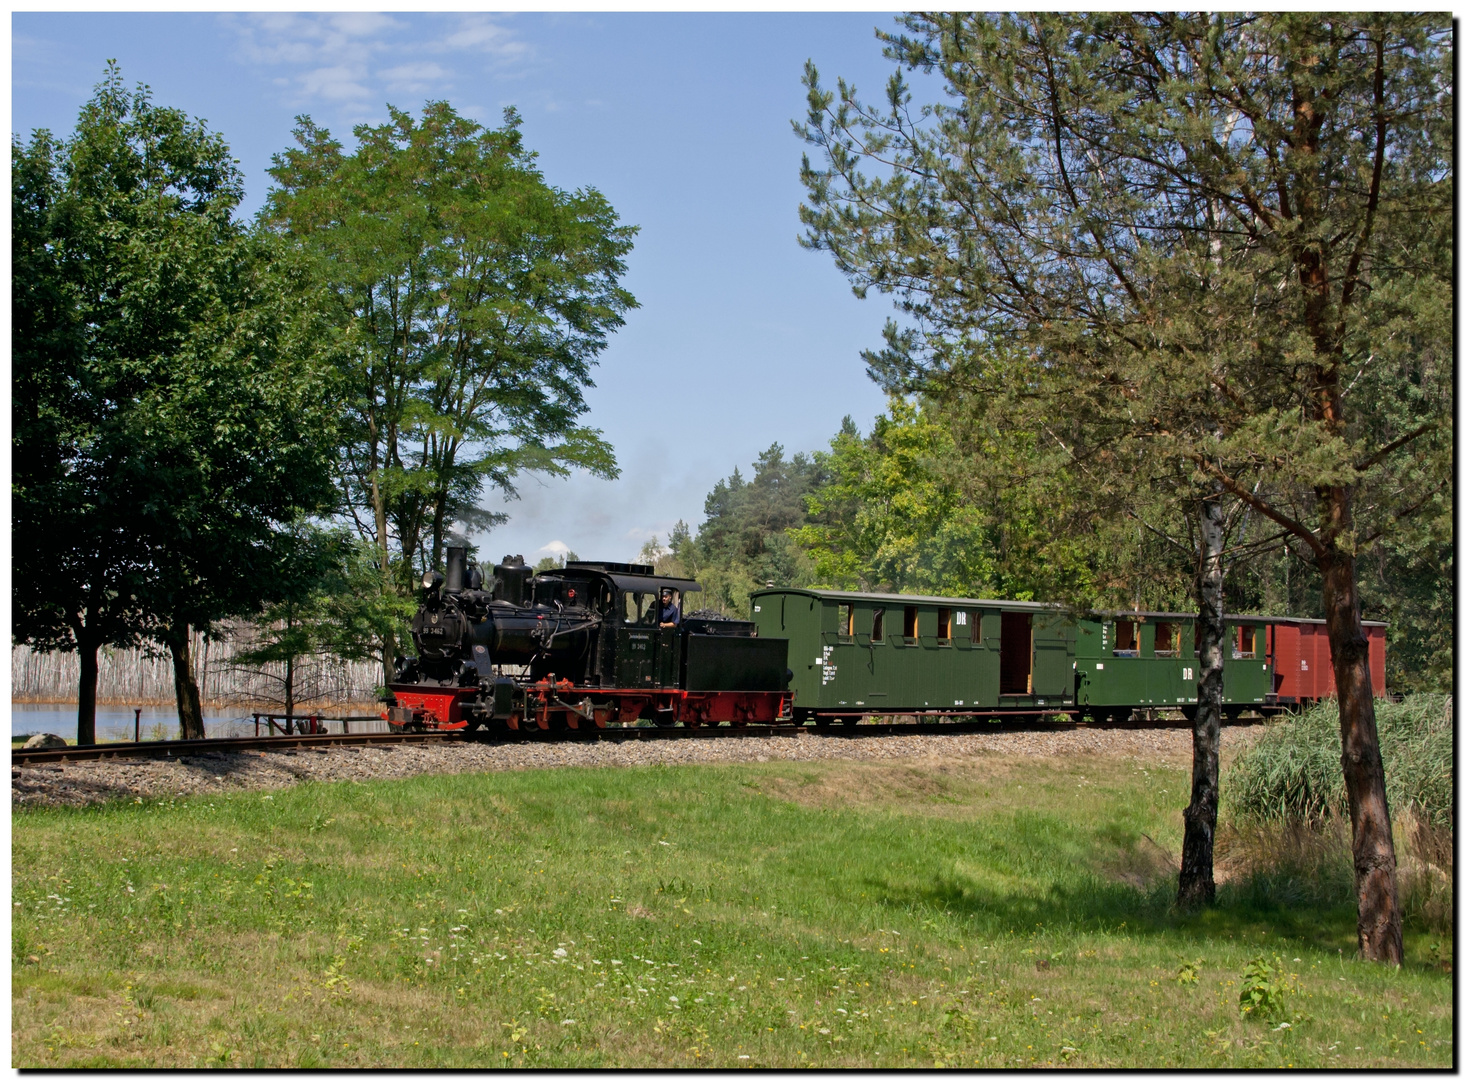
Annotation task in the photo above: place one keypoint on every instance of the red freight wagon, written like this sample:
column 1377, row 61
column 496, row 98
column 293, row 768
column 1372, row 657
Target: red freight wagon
column 1301, row 660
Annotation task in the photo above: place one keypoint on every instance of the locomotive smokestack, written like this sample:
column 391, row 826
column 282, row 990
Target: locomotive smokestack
column 457, row 569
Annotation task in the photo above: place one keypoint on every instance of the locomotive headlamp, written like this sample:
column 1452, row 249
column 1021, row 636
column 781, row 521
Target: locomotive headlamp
column 431, row 579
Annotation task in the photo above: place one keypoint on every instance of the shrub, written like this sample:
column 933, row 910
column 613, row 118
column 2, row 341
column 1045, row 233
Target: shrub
column 1264, row 986
column 1294, row 771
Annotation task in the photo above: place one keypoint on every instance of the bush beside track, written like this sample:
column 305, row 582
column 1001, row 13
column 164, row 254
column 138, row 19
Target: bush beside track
column 1294, row 771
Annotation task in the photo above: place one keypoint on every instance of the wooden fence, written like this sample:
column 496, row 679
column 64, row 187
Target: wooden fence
column 133, row 677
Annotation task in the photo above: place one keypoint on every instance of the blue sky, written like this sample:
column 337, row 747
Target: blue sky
column 741, row 338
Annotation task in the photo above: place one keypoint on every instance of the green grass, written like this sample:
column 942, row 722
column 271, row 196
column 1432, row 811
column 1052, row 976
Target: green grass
column 992, row 912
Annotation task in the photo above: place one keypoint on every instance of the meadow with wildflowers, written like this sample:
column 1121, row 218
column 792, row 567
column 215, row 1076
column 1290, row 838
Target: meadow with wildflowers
column 983, row 912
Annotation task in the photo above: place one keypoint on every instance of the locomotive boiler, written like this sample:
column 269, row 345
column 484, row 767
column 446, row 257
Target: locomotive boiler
column 581, row 645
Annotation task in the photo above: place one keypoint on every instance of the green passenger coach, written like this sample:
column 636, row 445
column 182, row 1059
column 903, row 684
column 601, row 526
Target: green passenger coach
column 854, row 654
column 859, row 654
column 1146, row 659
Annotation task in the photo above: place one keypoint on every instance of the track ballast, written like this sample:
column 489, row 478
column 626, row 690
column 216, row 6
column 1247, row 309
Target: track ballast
column 266, row 743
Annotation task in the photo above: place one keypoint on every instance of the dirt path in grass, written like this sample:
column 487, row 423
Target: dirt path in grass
column 86, row 782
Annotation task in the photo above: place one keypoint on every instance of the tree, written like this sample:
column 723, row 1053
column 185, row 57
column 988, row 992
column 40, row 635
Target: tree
column 951, row 495
column 69, row 496
column 745, row 541
column 178, row 409
column 477, row 298
column 298, row 627
column 552, row 562
column 1228, row 237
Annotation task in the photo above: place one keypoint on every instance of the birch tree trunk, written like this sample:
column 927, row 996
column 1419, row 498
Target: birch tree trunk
column 1197, row 862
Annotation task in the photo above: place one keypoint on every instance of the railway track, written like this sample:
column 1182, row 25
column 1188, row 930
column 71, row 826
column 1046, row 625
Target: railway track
column 270, row 743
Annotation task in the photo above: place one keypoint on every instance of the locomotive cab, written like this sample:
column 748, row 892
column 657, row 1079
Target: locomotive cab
column 634, row 650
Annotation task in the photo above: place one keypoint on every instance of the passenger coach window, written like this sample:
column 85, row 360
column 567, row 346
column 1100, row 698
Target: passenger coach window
column 1245, row 643
column 943, row 625
column 912, row 624
column 876, row 632
column 975, row 626
column 846, row 620
column 1166, row 639
column 1125, row 638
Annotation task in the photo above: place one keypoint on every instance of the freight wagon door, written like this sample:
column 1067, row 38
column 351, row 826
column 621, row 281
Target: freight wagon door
column 1016, row 652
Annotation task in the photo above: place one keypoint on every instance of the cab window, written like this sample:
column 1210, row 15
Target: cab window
column 640, row 608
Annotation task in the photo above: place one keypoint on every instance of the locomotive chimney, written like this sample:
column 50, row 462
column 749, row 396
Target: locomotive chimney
column 457, row 569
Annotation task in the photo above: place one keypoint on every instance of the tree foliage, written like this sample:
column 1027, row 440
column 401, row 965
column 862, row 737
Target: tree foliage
column 476, row 297
column 745, row 541
column 174, row 401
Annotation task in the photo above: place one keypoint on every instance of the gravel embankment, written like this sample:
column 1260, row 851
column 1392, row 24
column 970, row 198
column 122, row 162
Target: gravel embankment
column 86, row 782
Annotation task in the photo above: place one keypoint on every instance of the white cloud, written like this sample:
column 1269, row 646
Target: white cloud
column 342, row 82
column 415, row 78
column 363, row 23
column 557, row 549
column 349, row 57
column 479, row 33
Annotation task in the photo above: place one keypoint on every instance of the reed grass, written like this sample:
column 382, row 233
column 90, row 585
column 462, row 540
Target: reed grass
column 144, row 677
column 1294, row 771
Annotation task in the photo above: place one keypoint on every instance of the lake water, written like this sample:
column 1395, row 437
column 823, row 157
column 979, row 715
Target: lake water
column 115, row 723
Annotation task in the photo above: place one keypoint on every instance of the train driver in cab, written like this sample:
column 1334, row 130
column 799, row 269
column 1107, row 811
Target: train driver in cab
column 670, row 610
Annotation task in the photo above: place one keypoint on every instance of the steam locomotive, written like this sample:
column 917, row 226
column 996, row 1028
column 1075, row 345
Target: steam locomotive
column 581, row 645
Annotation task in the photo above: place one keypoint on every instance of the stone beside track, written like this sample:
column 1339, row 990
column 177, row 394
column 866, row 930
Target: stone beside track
column 85, row 783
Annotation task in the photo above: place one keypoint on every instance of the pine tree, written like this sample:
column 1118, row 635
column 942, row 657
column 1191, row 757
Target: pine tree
column 1224, row 240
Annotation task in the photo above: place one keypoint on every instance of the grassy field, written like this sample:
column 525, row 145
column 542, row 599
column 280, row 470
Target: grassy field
column 987, row 912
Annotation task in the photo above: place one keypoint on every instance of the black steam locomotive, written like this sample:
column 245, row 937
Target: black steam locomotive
column 585, row 644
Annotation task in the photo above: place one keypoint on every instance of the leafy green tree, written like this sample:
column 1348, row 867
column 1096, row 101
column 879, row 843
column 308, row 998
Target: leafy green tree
column 952, row 497
column 367, row 611
column 1226, row 236
column 556, row 562
column 69, row 497
column 477, row 298
column 242, row 440
column 173, row 407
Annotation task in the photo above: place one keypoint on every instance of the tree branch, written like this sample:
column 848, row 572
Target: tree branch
column 1350, row 282
column 1291, row 525
column 1368, row 463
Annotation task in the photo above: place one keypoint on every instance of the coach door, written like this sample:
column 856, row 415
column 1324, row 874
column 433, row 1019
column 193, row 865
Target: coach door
column 1016, row 653
column 1052, row 658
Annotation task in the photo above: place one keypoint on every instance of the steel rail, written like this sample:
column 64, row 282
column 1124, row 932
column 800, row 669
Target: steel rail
column 193, row 747
column 275, row 743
